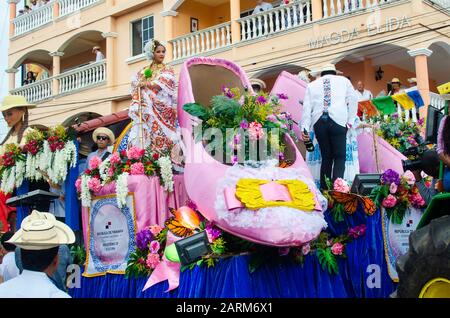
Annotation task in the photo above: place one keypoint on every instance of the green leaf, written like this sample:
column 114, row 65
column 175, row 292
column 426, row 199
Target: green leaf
column 328, row 183
column 327, row 260
column 197, row 110
column 338, row 212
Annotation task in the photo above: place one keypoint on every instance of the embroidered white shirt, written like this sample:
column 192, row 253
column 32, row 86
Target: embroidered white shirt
column 31, row 284
column 365, row 95
column 332, row 93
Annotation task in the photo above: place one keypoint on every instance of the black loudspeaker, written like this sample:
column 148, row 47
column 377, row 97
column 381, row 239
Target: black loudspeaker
column 363, row 184
column 192, row 248
column 37, row 199
column 434, row 117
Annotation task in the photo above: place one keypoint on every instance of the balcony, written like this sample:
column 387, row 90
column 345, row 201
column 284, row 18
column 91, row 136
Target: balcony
column 69, row 82
column 44, row 15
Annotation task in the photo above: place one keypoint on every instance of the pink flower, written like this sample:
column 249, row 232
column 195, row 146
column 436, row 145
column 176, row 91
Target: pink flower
column 272, row 118
column 341, row 185
column 94, row 163
column 110, row 172
column 234, row 160
column 94, row 184
column 389, row 202
column 393, row 188
column 135, row 153
column 114, row 158
column 137, row 168
column 255, row 131
column 154, row 247
column 306, row 249
column 155, row 229
column 153, row 260
column 78, row 184
column 337, row 249
column 409, row 176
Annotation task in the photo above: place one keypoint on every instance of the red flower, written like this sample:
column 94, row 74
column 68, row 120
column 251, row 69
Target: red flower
column 123, row 153
column 156, row 156
column 88, row 171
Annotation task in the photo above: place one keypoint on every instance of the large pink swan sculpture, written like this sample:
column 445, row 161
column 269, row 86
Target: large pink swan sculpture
column 207, row 179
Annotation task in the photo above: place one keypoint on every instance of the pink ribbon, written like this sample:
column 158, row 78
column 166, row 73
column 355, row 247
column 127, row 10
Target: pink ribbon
column 166, row 270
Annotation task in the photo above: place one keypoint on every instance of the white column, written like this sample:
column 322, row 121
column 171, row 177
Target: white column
column 420, row 58
column 110, row 57
column 11, row 78
column 56, row 70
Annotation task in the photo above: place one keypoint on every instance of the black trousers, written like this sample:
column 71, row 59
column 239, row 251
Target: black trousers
column 332, row 139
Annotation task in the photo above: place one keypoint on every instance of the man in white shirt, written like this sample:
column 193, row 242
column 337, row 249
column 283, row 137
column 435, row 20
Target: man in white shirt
column 330, row 108
column 39, row 239
column 262, row 6
column 98, row 54
column 363, row 94
column 8, row 267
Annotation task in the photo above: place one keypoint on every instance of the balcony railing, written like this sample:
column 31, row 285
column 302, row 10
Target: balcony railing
column 82, row 77
column 36, row 18
column 333, row 8
column 443, row 3
column 37, row 91
column 275, row 20
column 202, row 41
column 43, row 15
column 69, row 6
column 437, row 100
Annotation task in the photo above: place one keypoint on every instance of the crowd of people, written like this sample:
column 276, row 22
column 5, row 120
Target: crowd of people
column 34, row 5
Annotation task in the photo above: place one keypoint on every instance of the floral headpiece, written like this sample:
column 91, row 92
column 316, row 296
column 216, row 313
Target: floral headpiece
column 150, row 48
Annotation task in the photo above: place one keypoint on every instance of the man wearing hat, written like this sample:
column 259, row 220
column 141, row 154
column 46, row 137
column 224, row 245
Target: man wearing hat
column 329, row 109
column 39, row 239
column 98, row 54
column 412, row 81
column 103, row 137
column 395, row 86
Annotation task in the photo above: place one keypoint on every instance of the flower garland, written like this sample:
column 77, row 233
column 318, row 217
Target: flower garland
column 12, row 168
column 62, row 154
column 33, row 148
column 119, row 166
column 396, row 194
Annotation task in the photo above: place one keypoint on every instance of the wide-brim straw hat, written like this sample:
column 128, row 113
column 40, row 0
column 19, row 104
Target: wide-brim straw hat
column 104, row 131
column 412, row 80
column 13, row 101
column 328, row 67
column 41, row 231
column 395, row 80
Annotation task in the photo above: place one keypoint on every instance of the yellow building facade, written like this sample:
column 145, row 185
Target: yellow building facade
column 366, row 39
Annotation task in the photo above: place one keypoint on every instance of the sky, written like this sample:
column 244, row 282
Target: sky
column 4, row 42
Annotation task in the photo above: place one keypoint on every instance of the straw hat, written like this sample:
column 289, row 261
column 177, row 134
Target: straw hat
column 96, row 48
column 104, row 131
column 41, row 231
column 328, row 67
column 395, row 80
column 13, row 101
column 412, row 80
column 257, row 81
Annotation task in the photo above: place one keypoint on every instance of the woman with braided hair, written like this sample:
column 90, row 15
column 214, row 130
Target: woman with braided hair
column 15, row 111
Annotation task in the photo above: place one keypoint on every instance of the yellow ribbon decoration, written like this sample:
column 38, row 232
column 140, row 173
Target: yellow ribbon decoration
column 249, row 193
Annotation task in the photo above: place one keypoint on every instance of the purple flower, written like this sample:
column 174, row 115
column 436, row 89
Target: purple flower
column 420, row 121
column 143, row 238
column 390, row 176
column 212, row 232
column 244, row 124
column 395, row 115
column 261, row 99
column 282, row 96
column 272, row 118
column 357, row 231
column 281, row 156
column 228, row 93
column 191, row 204
column 234, row 160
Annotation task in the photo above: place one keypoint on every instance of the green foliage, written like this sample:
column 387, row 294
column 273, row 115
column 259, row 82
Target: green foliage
column 338, row 212
column 327, row 260
column 197, row 110
column 136, row 265
column 397, row 213
column 218, row 246
column 78, row 254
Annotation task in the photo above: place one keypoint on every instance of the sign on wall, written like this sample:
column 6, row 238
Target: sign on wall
column 111, row 236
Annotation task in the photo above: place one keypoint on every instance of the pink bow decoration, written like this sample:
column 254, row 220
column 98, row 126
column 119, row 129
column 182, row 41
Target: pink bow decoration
column 166, row 270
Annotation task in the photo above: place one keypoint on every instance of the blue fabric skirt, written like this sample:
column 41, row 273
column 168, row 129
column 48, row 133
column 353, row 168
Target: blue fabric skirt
column 362, row 269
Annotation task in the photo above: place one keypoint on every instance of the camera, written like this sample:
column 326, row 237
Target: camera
column 421, row 158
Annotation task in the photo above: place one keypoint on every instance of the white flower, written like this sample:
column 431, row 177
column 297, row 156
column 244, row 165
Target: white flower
column 122, row 189
column 166, row 173
column 85, row 193
column 103, row 168
column 45, row 157
column 71, row 153
column 8, row 180
column 20, row 173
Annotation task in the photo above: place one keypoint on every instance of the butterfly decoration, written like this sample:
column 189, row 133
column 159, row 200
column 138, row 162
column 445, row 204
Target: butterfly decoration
column 350, row 202
column 184, row 221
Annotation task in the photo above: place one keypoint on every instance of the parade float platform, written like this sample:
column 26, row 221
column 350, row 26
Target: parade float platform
column 362, row 274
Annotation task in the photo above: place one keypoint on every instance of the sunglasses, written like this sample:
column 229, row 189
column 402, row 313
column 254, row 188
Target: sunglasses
column 102, row 138
column 7, row 114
